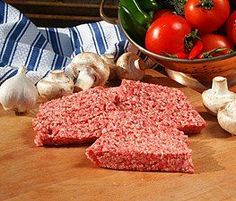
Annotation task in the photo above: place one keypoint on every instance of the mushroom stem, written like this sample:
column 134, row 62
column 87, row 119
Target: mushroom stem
column 85, row 80
column 89, row 70
column 137, row 64
column 219, row 85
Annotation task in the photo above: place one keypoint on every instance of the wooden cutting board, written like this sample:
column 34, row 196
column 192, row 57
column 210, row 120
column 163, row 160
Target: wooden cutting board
column 35, row 173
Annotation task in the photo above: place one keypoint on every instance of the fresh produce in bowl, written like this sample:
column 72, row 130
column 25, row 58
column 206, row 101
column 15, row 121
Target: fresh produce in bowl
column 170, row 33
column 181, row 46
column 178, row 28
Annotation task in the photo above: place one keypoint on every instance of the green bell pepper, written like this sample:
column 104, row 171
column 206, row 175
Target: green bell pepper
column 148, row 5
column 136, row 17
column 141, row 16
column 131, row 26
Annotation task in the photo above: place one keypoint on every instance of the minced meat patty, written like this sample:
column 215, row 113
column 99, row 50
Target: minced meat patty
column 79, row 118
column 137, row 143
column 168, row 106
column 85, row 116
column 74, row 119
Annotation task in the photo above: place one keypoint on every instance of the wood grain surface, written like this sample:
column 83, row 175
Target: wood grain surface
column 35, row 173
column 64, row 13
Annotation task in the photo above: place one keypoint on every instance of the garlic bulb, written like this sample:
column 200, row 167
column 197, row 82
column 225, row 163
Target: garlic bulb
column 18, row 93
column 55, row 85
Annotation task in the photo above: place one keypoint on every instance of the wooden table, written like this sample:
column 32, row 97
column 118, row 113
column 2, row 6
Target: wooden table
column 35, row 173
column 63, row 13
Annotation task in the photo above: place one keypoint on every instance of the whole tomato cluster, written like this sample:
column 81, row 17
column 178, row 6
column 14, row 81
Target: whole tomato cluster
column 207, row 29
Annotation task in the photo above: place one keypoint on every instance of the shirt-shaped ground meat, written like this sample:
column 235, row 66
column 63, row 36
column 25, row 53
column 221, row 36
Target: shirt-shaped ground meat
column 80, row 118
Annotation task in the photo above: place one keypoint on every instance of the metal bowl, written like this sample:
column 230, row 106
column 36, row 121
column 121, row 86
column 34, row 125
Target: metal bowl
column 199, row 72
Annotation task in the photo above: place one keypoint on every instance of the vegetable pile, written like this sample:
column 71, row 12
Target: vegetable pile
column 184, row 29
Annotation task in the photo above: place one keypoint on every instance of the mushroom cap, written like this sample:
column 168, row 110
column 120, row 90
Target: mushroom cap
column 218, row 96
column 110, row 61
column 55, row 85
column 94, row 61
column 227, row 117
column 130, row 66
column 213, row 102
column 57, row 76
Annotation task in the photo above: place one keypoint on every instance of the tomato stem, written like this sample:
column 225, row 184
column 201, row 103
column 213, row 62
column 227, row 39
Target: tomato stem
column 210, row 53
column 206, row 4
column 190, row 40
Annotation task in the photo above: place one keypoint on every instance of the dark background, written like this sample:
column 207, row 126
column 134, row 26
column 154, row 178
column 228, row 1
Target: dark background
column 63, row 13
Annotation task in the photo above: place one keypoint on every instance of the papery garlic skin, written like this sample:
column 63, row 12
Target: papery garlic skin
column 18, row 93
column 55, row 85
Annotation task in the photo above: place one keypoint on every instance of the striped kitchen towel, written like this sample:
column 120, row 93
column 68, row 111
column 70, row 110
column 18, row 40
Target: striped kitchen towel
column 45, row 49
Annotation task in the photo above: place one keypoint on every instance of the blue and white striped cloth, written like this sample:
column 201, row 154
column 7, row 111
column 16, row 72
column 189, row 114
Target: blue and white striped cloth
column 45, row 49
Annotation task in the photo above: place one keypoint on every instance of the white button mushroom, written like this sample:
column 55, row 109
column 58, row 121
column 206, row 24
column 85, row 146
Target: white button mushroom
column 89, row 70
column 110, row 60
column 55, row 85
column 218, row 96
column 227, row 117
column 130, row 66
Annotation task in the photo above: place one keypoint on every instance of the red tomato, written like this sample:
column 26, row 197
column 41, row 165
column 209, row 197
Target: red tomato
column 181, row 55
column 162, row 12
column 231, row 27
column 213, row 41
column 166, row 35
column 209, row 17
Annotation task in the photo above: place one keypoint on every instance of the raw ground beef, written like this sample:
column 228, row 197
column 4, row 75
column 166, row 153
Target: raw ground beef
column 137, row 126
column 79, row 118
column 74, row 119
column 168, row 106
column 137, row 143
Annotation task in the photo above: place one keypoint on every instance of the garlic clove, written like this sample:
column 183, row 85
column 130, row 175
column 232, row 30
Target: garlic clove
column 130, row 66
column 227, row 117
column 55, row 85
column 218, row 96
column 18, row 93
